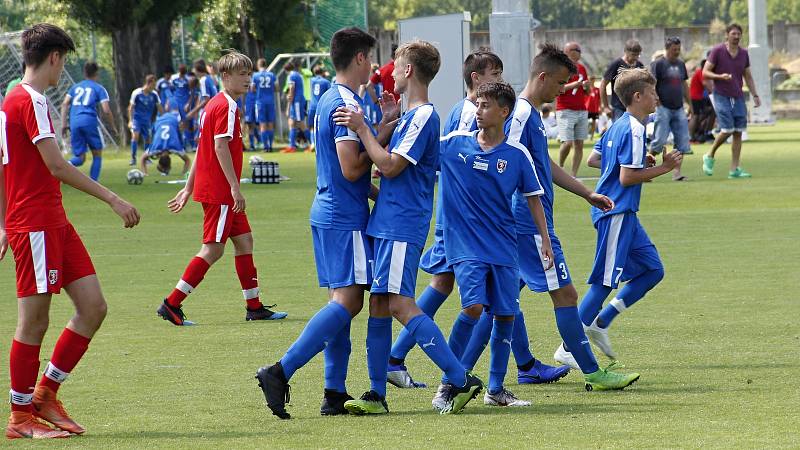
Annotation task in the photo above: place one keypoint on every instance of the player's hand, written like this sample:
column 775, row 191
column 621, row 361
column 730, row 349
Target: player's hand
column 3, row 243
column 756, row 101
column 650, row 160
column 238, row 200
column 600, row 202
column 179, row 201
column 129, row 214
column 348, row 117
column 672, row 159
column 547, row 255
column 725, row 76
column 390, row 107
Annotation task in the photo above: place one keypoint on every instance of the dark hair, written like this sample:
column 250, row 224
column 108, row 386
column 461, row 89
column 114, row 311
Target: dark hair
column 547, row 108
column 501, row 92
column 182, row 69
column 200, row 65
column 633, row 46
column 479, row 62
column 319, row 70
column 289, row 66
column 670, row 41
column 261, row 63
column 42, row 39
column 164, row 164
column 90, row 69
column 549, row 59
column 732, row 26
column 394, row 49
column 347, row 43
column 423, row 56
column 149, row 78
column 168, row 69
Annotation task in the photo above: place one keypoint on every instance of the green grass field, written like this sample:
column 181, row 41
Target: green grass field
column 716, row 342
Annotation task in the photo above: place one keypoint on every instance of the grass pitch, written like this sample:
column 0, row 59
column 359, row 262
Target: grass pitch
column 716, row 342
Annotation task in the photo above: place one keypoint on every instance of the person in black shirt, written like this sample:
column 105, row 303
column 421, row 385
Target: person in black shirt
column 630, row 59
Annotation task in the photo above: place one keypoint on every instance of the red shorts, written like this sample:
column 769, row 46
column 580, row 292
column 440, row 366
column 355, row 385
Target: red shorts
column 220, row 223
column 49, row 259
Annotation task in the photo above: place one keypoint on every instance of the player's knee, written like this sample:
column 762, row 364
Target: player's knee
column 32, row 328
column 212, row 252
column 443, row 283
column 473, row 311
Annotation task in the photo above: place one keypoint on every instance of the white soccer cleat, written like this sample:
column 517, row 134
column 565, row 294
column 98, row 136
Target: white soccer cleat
column 599, row 337
column 440, row 400
column 399, row 376
column 504, row 398
column 565, row 358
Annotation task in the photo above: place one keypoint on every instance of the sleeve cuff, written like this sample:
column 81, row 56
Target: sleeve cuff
column 347, row 138
column 223, row 135
column 594, row 150
column 533, row 194
column 406, row 156
column 632, row 166
column 43, row 136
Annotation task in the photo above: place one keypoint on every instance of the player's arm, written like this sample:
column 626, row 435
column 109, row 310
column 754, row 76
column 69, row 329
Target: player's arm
column 223, row 152
column 595, row 160
column 537, row 212
column 130, row 115
column 3, row 235
column 64, row 171
column 390, row 112
column 109, row 115
column 177, row 203
column 564, row 180
column 65, row 114
column 198, row 106
column 390, row 164
column 708, row 72
column 373, row 192
column 354, row 163
column 290, row 93
column 751, row 86
column 604, row 94
column 370, row 86
column 629, row 176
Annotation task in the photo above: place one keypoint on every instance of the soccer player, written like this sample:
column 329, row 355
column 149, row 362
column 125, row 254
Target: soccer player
column 319, row 85
column 265, row 86
column 80, row 105
column 297, row 107
column 207, row 88
column 624, row 251
column 143, row 106
column 167, row 138
column 250, row 123
column 399, row 226
column 48, row 252
column 214, row 182
column 164, row 85
column 181, row 95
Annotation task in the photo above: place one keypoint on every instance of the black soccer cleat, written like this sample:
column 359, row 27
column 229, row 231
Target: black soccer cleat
column 172, row 314
column 263, row 313
column 333, row 403
column 276, row 390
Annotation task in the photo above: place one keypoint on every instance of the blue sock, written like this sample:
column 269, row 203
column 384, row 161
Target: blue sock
column 252, row 140
column 460, row 335
column 430, row 338
column 337, row 358
column 321, row 328
column 292, row 137
column 501, row 350
column 569, row 326
column 592, row 302
column 429, row 302
column 265, row 138
column 270, row 139
column 134, row 145
column 478, row 342
column 76, row 161
column 94, row 171
column 519, row 344
column 187, row 138
column 379, row 341
column 630, row 294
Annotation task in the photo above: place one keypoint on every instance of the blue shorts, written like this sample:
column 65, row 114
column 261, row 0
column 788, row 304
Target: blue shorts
column 434, row 260
column 265, row 112
column 297, row 110
column 250, row 114
column 624, row 250
column 495, row 287
column 343, row 257
column 310, row 119
column 395, row 270
column 143, row 128
column 731, row 112
column 531, row 266
column 85, row 138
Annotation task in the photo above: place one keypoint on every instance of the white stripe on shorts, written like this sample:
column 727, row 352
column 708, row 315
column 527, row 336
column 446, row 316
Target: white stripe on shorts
column 359, row 259
column 611, row 248
column 396, row 266
column 102, row 141
column 223, row 214
column 551, row 274
column 39, row 260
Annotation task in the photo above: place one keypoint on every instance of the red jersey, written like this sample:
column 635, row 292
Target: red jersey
column 696, row 87
column 33, row 195
column 384, row 76
column 574, row 98
column 593, row 100
column 220, row 120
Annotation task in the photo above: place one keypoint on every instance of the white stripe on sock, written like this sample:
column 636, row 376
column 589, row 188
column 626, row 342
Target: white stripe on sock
column 184, row 287
column 55, row 374
column 618, row 304
column 18, row 398
column 251, row 293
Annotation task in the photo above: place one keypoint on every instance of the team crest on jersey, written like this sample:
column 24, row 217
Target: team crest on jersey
column 501, row 165
column 53, row 276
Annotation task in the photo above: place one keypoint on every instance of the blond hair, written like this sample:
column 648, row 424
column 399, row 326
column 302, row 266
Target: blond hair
column 232, row 61
column 631, row 81
column 423, row 56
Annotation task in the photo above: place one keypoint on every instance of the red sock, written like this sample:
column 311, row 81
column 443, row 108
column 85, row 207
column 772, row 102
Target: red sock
column 24, row 370
column 69, row 349
column 248, row 278
column 193, row 275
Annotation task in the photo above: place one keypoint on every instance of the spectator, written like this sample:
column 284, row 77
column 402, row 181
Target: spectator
column 384, row 78
column 549, row 121
column 702, row 121
column 571, row 112
column 593, row 105
column 671, row 75
column 727, row 65
column 630, row 59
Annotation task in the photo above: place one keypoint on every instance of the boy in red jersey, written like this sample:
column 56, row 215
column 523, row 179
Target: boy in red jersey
column 214, row 182
column 48, row 253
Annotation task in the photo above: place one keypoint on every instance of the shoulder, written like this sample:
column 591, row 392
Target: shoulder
column 424, row 114
column 456, row 135
column 136, row 92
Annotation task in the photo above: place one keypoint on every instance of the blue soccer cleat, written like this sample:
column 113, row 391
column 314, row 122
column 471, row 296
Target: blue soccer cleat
column 541, row 373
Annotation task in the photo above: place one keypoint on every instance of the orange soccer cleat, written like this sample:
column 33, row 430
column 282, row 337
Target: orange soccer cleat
column 49, row 408
column 289, row 150
column 24, row 425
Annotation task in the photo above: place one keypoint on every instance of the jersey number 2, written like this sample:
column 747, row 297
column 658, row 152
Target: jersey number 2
column 81, row 92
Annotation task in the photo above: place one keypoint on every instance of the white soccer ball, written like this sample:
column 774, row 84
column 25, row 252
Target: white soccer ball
column 135, row 176
column 255, row 159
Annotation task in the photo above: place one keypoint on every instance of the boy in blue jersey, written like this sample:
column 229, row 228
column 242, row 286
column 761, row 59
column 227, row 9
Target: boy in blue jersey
column 624, row 251
column 206, row 90
column 319, row 85
column 296, row 112
column 80, row 105
column 164, row 85
column 181, row 95
column 250, row 125
column 265, row 87
column 144, row 104
column 339, row 216
column 167, row 138
column 399, row 226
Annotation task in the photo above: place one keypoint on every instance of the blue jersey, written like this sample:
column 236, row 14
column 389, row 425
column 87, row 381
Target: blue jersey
column 180, row 89
column 403, row 209
column 318, row 87
column 167, row 135
column 144, row 105
column 207, row 87
column 477, row 190
column 249, row 102
column 297, row 79
column 264, row 82
column 525, row 129
column 621, row 146
column 338, row 204
column 85, row 96
column 164, row 88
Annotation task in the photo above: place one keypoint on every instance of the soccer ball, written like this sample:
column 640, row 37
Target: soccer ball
column 135, row 176
column 255, row 159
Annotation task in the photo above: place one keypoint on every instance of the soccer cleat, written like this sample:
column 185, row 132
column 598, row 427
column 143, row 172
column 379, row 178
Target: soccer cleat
column 459, row 396
column 276, row 390
column 399, row 376
column 289, row 150
column 599, row 337
column 606, row 380
column 333, row 403
column 541, row 373
column 370, row 403
column 562, row 356
column 173, row 314
column 133, row 162
column 263, row 313
column 708, row 165
column 738, row 173
column 503, row 398
column 440, row 398
column 46, row 406
column 25, row 425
